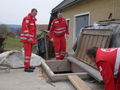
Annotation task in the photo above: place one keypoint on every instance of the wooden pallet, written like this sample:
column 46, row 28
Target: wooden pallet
column 92, row 38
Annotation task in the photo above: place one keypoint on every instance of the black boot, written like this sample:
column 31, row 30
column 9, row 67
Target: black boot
column 32, row 67
column 28, row 70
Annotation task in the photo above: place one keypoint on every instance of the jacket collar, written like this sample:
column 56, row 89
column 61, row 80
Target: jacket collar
column 59, row 19
column 33, row 18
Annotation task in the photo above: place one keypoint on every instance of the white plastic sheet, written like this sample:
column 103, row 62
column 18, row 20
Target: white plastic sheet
column 15, row 59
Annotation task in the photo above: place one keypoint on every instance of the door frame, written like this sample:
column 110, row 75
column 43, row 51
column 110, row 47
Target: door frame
column 74, row 29
column 68, row 19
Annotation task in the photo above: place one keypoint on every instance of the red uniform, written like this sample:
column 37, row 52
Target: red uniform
column 108, row 62
column 57, row 31
column 28, row 32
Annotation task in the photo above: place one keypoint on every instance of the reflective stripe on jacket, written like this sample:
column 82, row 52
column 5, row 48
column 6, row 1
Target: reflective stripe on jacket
column 58, row 28
column 28, row 29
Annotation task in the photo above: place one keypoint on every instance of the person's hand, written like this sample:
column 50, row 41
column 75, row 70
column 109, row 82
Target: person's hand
column 30, row 39
column 67, row 36
column 52, row 40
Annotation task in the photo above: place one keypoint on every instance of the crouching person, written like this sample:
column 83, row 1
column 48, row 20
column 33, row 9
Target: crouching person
column 108, row 63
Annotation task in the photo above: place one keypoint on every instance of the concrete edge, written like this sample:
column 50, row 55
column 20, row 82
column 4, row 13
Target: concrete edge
column 47, row 70
column 61, row 77
column 92, row 72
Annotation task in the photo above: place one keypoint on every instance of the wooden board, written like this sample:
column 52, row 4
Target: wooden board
column 78, row 83
column 46, row 46
column 92, row 38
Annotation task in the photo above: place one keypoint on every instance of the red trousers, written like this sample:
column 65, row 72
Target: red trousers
column 111, row 82
column 60, row 47
column 27, row 54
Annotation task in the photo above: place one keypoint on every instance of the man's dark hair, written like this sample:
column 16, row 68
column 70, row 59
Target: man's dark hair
column 34, row 10
column 91, row 52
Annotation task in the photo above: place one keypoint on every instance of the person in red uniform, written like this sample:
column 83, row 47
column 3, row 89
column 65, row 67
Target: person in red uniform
column 28, row 38
column 108, row 63
column 58, row 34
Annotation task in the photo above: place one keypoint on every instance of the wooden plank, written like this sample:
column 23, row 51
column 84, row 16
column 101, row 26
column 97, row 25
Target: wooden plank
column 78, row 83
column 81, row 45
column 97, row 32
column 93, row 44
column 46, row 47
column 85, row 41
column 108, row 40
column 103, row 44
column 86, row 47
column 99, row 41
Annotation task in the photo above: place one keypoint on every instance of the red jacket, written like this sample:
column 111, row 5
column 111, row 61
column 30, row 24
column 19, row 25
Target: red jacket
column 58, row 28
column 28, row 29
column 111, row 56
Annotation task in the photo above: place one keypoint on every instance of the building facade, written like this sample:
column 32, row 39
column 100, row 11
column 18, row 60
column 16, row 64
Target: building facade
column 81, row 13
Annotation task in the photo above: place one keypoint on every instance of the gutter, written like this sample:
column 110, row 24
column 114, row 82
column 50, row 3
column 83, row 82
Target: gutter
column 70, row 4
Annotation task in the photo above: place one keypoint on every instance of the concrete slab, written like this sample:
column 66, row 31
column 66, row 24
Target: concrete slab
column 17, row 79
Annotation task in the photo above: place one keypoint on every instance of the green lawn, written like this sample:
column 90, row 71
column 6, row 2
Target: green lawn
column 13, row 44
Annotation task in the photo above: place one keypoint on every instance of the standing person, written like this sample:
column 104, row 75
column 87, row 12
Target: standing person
column 28, row 37
column 58, row 31
column 108, row 63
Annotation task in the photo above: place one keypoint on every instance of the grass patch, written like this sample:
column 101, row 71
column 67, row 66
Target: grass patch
column 13, row 44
